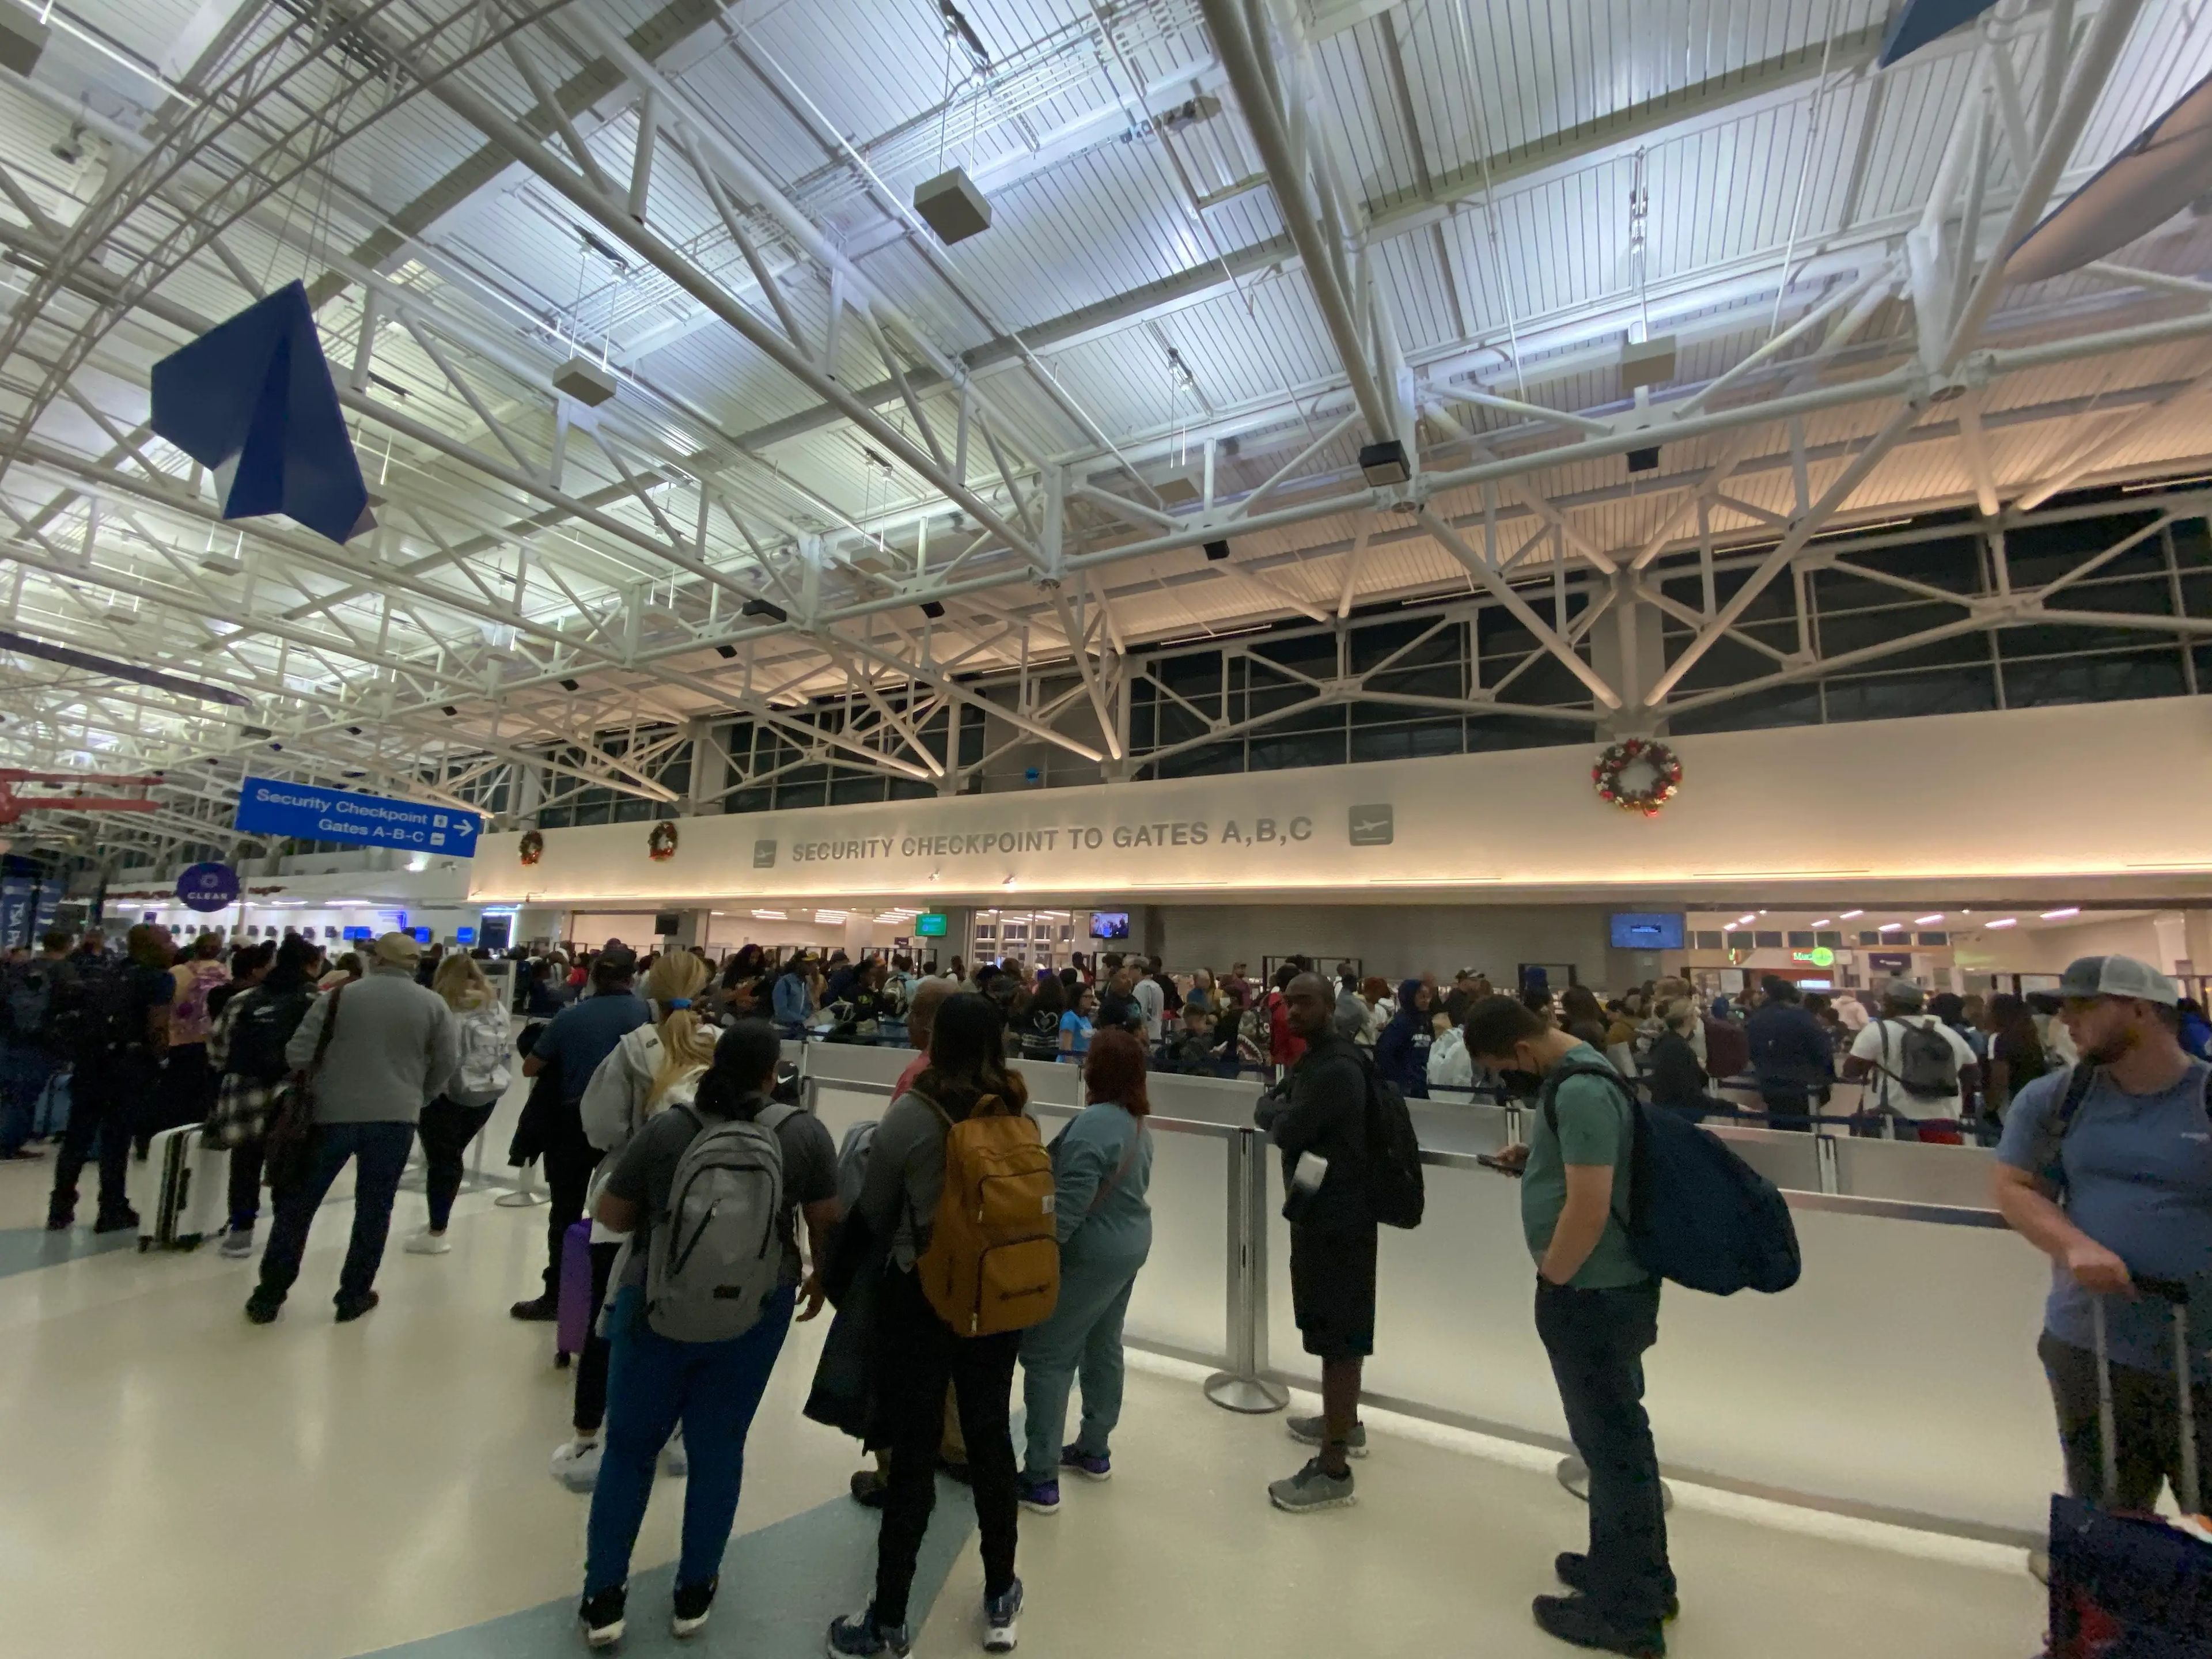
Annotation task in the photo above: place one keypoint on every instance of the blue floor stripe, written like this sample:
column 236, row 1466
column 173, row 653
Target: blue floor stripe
column 25, row 1250
column 780, row 1588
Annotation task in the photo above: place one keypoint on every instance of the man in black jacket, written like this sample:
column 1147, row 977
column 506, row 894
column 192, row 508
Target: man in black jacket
column 1321, row 1125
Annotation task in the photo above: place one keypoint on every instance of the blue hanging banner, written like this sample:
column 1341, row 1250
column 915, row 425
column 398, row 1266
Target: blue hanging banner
column 208, row 887
column 17, row 896
column 267, row 807
column 253, row 399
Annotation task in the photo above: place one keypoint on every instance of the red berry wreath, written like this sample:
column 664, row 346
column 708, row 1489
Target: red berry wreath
column 1637, row 775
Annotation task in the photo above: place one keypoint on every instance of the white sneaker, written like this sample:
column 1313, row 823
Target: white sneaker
column 236, row 1246
column 427, row 1242
column 576, row 1464
column 673, row 1459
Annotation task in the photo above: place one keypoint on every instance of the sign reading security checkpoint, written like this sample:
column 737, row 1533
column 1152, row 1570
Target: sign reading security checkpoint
column 270, row 808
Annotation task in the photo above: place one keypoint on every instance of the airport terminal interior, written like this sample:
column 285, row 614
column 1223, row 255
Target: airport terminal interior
column 1221, row 534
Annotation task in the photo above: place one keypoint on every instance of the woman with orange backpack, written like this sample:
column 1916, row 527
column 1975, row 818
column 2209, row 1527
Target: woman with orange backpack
column 959, row 1182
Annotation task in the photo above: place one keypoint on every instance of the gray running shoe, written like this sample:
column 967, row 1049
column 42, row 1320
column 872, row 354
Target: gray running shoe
column 1313, row 1431
column 1312, row 1488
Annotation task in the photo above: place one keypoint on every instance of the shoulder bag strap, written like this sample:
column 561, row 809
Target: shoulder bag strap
column 323, row 1037
column 1128, row 1156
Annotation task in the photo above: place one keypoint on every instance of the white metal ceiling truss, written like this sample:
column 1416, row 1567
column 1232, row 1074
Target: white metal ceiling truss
column 849, row 468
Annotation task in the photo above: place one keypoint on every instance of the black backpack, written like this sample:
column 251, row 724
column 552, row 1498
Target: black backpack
column 27, row 1011
column 93, row 1012
column 261, row 1027
column 1395, row 1191
column 1698, row 1214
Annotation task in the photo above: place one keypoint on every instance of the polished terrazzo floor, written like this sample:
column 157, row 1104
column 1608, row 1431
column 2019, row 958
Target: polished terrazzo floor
column 178, row 1483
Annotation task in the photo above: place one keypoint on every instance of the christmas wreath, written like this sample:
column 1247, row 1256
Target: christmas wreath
column 1637, row 775
column 533, row 847
column 660, row 845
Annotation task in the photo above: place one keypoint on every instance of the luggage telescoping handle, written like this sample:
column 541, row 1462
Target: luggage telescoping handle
column 2175, row 1295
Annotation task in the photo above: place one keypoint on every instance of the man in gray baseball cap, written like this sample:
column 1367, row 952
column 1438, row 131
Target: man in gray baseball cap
column 2107, row 1169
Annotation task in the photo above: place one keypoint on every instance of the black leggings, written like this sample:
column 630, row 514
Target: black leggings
column 592, row 1363
column 446, row 1129
column 919, row 1356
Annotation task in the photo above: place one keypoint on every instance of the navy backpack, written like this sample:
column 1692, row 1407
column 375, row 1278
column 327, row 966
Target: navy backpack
column 1698, row 1214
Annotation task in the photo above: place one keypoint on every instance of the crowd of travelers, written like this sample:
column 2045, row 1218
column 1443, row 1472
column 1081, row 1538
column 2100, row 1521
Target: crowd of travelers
column 697, row 1211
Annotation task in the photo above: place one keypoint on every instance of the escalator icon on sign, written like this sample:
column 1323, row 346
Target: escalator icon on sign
column 1373, row 826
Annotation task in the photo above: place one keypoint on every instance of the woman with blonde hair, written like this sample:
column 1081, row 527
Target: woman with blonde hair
column 653, row 1068
column 458, row 1116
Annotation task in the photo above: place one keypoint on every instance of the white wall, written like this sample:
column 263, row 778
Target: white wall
column 2048, row 950
column 1809, row 809
column 1400, row 941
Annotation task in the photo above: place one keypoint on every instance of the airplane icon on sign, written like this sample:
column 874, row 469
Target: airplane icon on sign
column 1373, row 826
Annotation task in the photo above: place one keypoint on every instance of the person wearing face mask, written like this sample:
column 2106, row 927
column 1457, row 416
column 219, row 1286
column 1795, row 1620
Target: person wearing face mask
column 1597, row 1312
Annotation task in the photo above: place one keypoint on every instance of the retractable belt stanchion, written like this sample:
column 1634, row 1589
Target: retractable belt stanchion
column 1243, row 1387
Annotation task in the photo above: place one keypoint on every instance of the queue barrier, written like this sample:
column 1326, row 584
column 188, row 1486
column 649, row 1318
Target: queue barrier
column 1897, row 1381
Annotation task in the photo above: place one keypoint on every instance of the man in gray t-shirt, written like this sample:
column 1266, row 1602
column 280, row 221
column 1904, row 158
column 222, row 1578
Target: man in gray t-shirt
column 2115, row 1188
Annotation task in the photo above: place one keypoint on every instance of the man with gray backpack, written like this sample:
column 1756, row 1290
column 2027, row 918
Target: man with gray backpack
column 1914, row 1066
column 704, row 1295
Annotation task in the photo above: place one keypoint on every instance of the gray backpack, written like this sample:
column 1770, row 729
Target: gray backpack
column 1926, row 1067
column 852, row 1162
column 715, row 1256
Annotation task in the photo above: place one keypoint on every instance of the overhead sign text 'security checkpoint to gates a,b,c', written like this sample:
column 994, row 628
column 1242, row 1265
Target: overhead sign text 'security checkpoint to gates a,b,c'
column 266, row 806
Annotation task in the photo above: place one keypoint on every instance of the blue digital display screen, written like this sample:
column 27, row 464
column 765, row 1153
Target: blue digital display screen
column 1647, row 930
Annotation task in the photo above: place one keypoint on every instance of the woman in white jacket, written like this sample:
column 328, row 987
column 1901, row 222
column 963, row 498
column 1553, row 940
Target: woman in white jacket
column 456, row 1117
column 651, row 1069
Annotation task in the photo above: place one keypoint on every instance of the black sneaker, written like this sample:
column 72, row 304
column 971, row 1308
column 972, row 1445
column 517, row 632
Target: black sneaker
column 601, row 1616
column 868, row 1489
column 1576, row 1618
column 539, row 1309
column 60, row 1218
column 693, row 1602
column 262, row 1308
column 1572, row 1570
column 351, row 1307
column 117, row 1221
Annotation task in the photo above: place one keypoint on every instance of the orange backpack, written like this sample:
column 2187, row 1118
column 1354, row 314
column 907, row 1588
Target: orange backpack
column 993, row 1262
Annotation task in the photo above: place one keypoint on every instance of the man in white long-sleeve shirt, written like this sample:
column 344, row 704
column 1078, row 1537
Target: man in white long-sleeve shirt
column 377, row 1048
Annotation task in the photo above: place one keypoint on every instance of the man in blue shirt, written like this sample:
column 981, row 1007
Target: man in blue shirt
column 2107, row 1169
column 1790, row 1053
column 1597, row 1312
column 578, row 1039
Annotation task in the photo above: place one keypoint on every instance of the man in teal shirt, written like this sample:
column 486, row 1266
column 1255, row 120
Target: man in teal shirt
column 1597, row 1311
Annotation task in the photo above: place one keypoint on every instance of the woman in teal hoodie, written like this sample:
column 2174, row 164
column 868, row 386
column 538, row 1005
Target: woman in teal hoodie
column 1102, row 1165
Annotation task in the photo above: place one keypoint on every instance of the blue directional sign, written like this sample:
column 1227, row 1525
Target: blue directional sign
column 208, row 887
column 267, row 807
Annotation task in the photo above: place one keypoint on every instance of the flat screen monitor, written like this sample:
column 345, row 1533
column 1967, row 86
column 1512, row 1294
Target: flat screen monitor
column 1647, row 930
column 361, row 932
column 421, row 935
column 931, row 924
column 464, row 935
column 666, row 924
column 498, row 933
column 1109, row 924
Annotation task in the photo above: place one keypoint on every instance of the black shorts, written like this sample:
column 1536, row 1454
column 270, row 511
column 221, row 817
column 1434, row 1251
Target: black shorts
column 1333, row 1291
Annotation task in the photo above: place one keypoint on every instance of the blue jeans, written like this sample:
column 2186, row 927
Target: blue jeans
column 1596, row 1341
column 382, row 1149
column 1084, row 1331
column 29, row 1068
column 653, row 1383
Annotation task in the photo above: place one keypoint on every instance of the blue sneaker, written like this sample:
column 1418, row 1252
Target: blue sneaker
column 1100, row 1468
column 1000, row 1612
column 860, row 1636
column 1037, row 1497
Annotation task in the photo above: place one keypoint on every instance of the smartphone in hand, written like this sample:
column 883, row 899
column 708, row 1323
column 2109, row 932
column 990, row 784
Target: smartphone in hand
column 1490, row 1161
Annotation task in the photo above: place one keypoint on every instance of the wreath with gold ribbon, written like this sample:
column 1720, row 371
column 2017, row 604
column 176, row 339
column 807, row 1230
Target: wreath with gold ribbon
column 1637, row 775
column 533, row 847
column 660, row 845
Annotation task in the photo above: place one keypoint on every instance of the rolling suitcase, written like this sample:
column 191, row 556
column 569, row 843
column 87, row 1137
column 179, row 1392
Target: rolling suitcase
column 574, row 1301
column 2128, row 1586
column 181, row 1190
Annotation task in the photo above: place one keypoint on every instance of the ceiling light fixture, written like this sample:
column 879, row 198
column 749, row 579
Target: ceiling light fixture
column 768, row 915
column 1927, row 921
column 2009, row 922
column 1889, row 926
column 2054, row 916
column 768, row 607
column 725, row 652
column 1216, row 551
column 1848, row 915
column 1823, row 922
column 933, row 608
column 571, row 685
